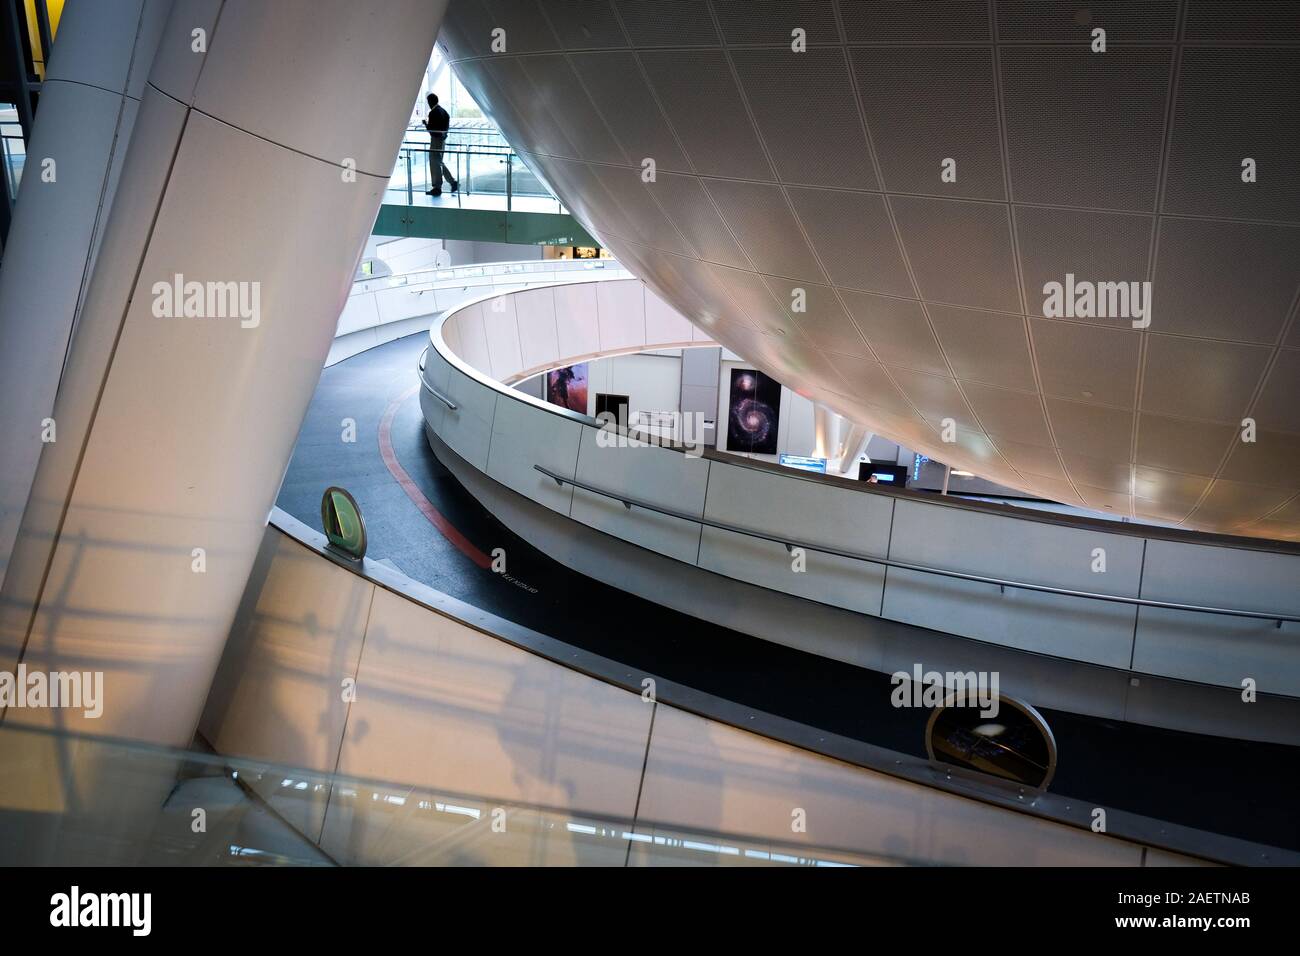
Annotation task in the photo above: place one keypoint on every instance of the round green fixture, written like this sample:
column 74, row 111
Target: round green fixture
column 344, row 526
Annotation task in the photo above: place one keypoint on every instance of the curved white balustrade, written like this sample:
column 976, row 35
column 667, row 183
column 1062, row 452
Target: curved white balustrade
column 503, row 434
column 385, row 308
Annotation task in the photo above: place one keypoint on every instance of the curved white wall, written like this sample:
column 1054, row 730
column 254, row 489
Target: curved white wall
column 512, row 335
column 503, row 435
column 385, row 308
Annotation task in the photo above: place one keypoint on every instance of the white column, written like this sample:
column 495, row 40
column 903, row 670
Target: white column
column 87, row 112
column 825, row 432
column 855, row 445
column 264, row 141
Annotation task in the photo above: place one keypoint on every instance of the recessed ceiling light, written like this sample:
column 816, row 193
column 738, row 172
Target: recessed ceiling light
column 964, row 474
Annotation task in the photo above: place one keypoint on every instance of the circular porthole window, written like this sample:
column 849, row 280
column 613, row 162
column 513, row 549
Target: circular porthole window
column 343, row 523
column 1013, row 744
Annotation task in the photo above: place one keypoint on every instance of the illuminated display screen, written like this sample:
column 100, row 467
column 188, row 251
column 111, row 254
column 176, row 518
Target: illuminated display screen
column 804, row 464
column 876, row 473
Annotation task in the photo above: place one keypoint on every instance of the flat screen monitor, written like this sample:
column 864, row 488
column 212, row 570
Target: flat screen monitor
column 613, row 405
column 892, row 476
column 804, row 464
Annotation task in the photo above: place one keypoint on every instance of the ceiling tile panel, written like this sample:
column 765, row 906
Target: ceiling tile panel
column 535, row 128
column 469, row 32
column 703, row 105
column 755, row 301
column 897, row 331
column 1233, row 105
column 935, row 21
column 1225, row 280
column 1169, row 487
column 1230, row 504
column 821, row 146
column 822, row 319
column 618, row 89
column 1192, row 378
column 1232, row 21
column 1068, row 21
column 986, row 347
column 1264, row 461
column 1053, row 490
column 652, row 23
column 854, row 239
column 1108, row 375
column 1098, row 473
column 687, row 204
column 1092, row 247
column 1085, row 129
column 1105, row 499
column 566, row 96
column 1017, row 416
column 1099, row 432
column 585, row 24
column 960, row 251
column 1033, row 460
column 1175, row 444
column 1278, row 406
column 938, row 398
column 870, row 381
column 526, row 29
column 925, row 106
column 761, row 221
column 772, row 21
column 652, row 227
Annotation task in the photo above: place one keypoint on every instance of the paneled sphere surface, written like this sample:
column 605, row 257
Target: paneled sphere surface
column 870, row 201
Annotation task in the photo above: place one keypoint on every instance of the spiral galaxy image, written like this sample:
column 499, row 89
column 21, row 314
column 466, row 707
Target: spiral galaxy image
column 755, row 412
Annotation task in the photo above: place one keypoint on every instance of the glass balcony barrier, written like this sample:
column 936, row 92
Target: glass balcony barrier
column 13, row 153
column 88, row 801
column 488, row 172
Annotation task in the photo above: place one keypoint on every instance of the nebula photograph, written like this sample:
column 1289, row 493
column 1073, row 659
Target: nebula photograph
column 567, row 387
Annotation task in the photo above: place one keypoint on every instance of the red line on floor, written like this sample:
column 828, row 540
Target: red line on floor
column 436, row 518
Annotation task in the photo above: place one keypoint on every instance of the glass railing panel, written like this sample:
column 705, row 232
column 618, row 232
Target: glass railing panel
column 15, row 158
column 78, row 801
column 524, row 182
column 481, row 164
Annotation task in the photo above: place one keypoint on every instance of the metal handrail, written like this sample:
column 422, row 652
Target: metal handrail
column 790, row 543
column 438, row 395
column 503, row 152
column 463, row 149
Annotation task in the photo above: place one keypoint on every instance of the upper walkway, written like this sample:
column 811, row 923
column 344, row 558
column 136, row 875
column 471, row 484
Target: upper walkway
column 498, row 199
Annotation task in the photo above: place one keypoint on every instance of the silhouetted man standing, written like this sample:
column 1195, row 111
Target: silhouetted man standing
column 436, row 123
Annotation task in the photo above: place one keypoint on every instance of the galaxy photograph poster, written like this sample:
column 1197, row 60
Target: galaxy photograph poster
column 755, row 411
